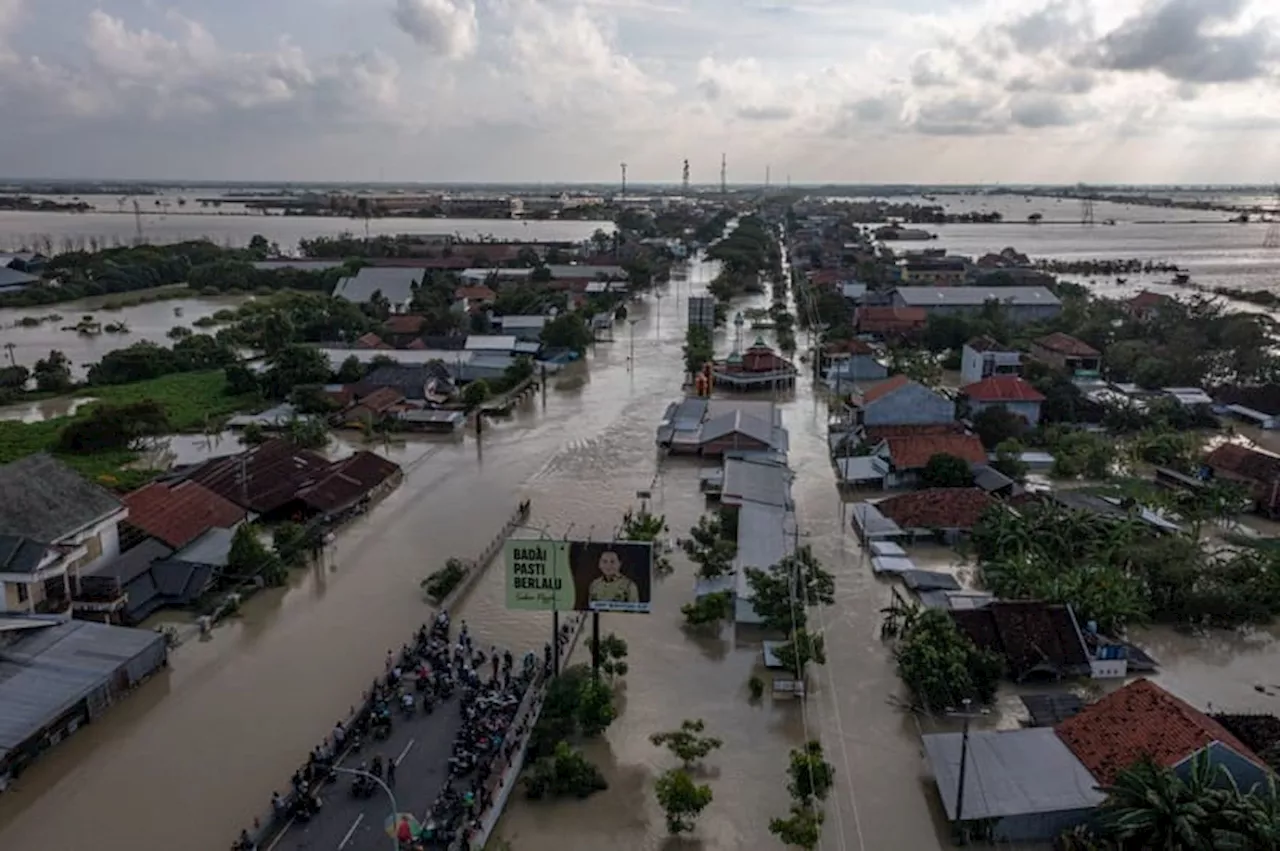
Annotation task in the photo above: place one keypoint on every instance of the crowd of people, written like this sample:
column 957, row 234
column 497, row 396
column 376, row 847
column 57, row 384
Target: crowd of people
column 420, row 677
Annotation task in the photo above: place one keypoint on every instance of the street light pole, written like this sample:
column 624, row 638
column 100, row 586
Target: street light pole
column 395, row 808
column 964, row 760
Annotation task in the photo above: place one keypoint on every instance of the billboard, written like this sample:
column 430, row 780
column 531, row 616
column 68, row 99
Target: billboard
column 586, row 576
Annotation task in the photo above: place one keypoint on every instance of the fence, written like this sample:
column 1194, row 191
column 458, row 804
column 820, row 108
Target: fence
column 510, row 773
column 268, row 827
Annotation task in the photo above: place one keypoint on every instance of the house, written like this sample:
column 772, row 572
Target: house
column 57, row 675
column 373, row 407
column 522, row 327
column 264, row 479
column 1062, row 351
column 890, row 322
column 175, row 513
column 1113, row 508
column 350, row 485
column 15, row 281
column 908, row 455
column 403, row 329
column 1259, row 404
column 759, row 368
column 1004, row 391
column 982, row 357
column 1258, row 471
column 946, row 513
column 371, row 341
column 394, row 283
column 1143, row 720
column 766, row 535
column 473, row 297
column 585, row 272
column 1019, row 304
column 938, row 271
column 55, row 526
column 1036, row 639
column 846, row 362
column 762, row 480
column 1147, row 305
column 714, row 427
column 409, row 380
column 899, row 401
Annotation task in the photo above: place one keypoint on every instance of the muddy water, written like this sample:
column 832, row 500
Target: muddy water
column 147, row 322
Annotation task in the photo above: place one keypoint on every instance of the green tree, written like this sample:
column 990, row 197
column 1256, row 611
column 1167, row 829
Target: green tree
column 699, row 349
column 942, row 667
column 568, row 331
column 801, row 648
column 53, row 373
column 811, row 775
column 249, row 558
column 801, row 829
column 307, row 432
column 682, row 800
column 14, row 377
column 687, row 744
column 1151, row 806
column 710, row 547
column 475, row 393
column 350, row 371
column 113, row 427
column 1009, row 461
column 780, row 594
column 946, row 471
column 996, row 424
column 595, row 708
column 564, row 772
column 240, row 380
column 708, row 609
column 292, row 366
column 613, row 655
column 289, row 542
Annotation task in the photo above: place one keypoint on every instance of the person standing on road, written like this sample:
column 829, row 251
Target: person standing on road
column 391, row 773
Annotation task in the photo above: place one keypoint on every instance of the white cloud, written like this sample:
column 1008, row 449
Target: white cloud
column 447, row 28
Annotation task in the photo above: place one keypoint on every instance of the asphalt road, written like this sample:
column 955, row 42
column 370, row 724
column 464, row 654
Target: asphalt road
column 422, row 746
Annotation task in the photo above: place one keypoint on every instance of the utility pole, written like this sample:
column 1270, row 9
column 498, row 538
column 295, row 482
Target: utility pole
column 767, row 171
column 724, row 187
column 964, row 764
column 1272, row 239
column 684, row 178
column 624, row 181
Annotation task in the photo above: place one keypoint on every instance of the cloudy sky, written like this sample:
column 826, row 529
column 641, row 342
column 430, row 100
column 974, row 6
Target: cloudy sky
column 1153, row 91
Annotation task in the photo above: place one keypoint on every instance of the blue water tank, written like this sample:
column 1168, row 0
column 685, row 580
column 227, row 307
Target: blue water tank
column 1091, row 627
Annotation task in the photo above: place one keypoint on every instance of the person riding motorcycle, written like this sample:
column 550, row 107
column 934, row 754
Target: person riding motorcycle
column 376, row 768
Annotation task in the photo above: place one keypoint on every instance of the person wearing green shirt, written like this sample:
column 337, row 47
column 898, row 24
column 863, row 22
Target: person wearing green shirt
column 611, row 586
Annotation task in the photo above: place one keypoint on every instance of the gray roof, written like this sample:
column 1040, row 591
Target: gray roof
column 765, row 537
column 990, row 479
column 955, row 600
column 20, row 555
column 50, row 669
column 930, row 580
column 765, row 482
column 45, row 500
column 683, row 416
column 213, row 548
column 14, row 278
column 395, row 282
column 870, row 523
column 589, row 272
column 1010, row 773
column 300, row 265
column 134, row 562
column 975, row 296
column 509, row 322
column 432, row 416
column 491, row 343
column 737, row 422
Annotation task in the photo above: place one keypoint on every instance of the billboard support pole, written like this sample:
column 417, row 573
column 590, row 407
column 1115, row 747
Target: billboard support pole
column 595, row 644
column 555, row 642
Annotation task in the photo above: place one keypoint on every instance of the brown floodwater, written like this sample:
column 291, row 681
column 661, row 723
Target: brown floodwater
column 195, row 753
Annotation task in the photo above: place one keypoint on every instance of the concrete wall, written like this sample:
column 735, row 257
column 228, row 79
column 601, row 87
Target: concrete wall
column 1029, row 411
column 975, row 366
column 914, row 404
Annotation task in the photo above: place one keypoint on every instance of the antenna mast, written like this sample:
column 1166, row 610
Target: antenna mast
column 684, row 177
column 137, row 221
column 624, row 181
column 1086, row 206
column 724, row 187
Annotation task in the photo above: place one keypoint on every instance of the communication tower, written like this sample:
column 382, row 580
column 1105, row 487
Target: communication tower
column 1272, row 239
column 623, row 194
column 1086, row 206
column 137, row 221
column 684, row 177
column 768, row 171
column 724, row 187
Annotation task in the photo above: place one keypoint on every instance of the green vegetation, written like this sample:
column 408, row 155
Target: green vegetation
column 939, row 664
column 476, row 393
column 440, row 584
column 682, row 799
column 613, row 654
column 755, row 687
column 946, row 471
column 563, row 773
column 643, row 526
column 576, row 705
column 713, row 543
column 568, row 331
column 810, row 780
column 687, row 744
column 709, row 609
column 1151, row 806
column 1119, row 570
column 745, row 253
column 781, row 597
column 250, row 558
column 699, row 349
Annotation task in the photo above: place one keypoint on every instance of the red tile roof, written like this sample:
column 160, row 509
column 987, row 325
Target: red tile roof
column 914, row 452
column 937, row 508
column 1140, row 720
column 404, row 324
column 1147, row 299
column 176, row 513
column 347, row 481
column 262, row 479
column 875, row 434
column 381, row 399
column 1065, row 344
column 1002, row 388
column 416, row 343
column 371, row 341
column 476, row 293
column 1245, row 462
column 849, row 347
column 984, row 343
column 884, row 388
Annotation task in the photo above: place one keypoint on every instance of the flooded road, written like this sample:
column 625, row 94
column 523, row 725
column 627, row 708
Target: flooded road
column 195, row 753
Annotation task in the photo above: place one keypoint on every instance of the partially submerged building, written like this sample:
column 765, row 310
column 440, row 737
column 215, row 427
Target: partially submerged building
column 58, row 675
column 714, row 427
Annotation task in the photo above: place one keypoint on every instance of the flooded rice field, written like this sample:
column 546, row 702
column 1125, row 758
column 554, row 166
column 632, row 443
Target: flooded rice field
column 196, row 752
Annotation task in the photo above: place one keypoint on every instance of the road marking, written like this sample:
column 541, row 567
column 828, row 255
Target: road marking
column 281, row 835
column 400, row 758
column 347, row 838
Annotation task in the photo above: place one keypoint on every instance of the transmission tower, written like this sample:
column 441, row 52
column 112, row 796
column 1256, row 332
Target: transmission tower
column 624, row 181
column 724, row 187
column 137, row 221
column 768, row 171
column 684, row 177
column 1272, row 239
column 1086, row 210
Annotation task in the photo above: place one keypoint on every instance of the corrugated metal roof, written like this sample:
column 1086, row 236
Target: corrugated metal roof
column 49, row 670
column 45, row 500
column 395, row 284
column 213, row 548
column 870, row 523
column 763, row 482
column 1010, row 773
column 766, row 535
column 491, row 343
column 508, row 322
column 739, row 423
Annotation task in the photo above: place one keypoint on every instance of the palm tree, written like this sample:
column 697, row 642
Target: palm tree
column 1150, row 806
